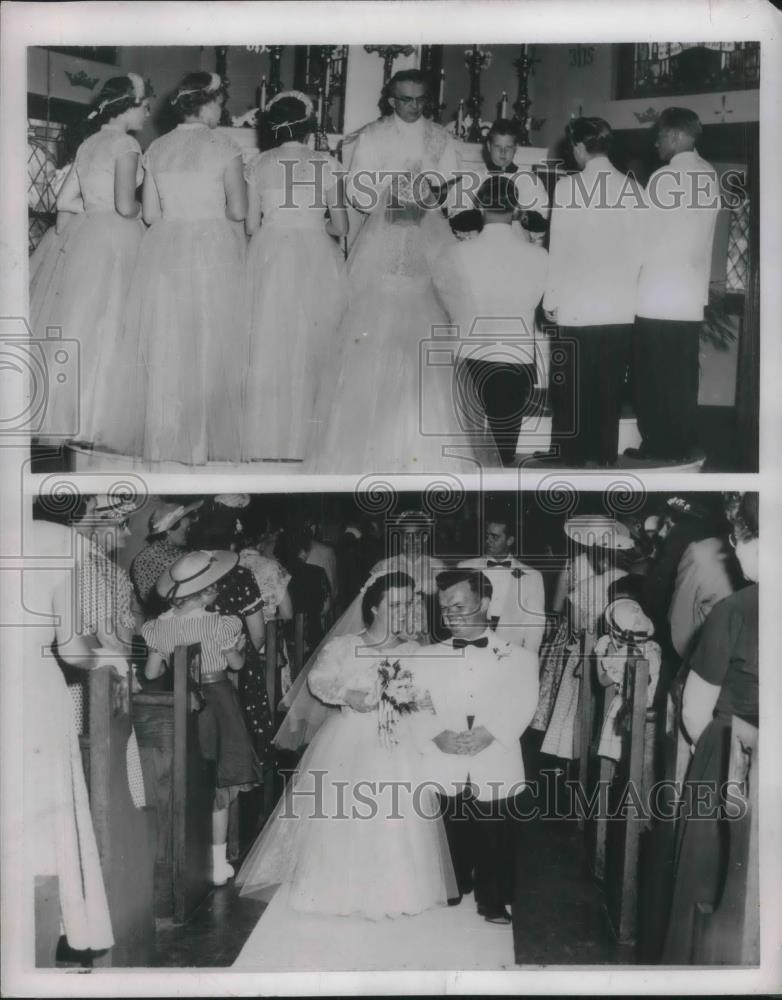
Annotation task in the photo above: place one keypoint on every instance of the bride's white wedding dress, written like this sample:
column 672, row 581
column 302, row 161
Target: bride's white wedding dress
column 338, row 841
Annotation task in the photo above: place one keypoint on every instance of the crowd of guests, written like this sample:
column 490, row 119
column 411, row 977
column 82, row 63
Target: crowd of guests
column 680, row 584
column 189, row 284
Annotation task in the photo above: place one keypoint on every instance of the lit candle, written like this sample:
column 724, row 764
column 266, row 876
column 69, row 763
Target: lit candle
column 320, row 107
column 504, row 105
column 328, row 78
column 263, row 94
column 460, row 117
column 440, row 99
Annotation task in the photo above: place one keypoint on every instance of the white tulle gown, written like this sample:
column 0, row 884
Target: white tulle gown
column 374, row 867
column 79, row 281
column 178, row 377
column 392, row 409
column 296, row 291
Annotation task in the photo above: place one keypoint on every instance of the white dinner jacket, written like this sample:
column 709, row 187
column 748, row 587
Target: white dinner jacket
column 517, row 601
column 498, row 685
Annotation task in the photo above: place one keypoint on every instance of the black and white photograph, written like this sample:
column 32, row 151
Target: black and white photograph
column 358, row 258
column 308, row 733
column 389, row 415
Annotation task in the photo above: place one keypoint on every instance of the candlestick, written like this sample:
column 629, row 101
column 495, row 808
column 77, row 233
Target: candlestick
column 460, row 118
column 504, row 105
column 440, row 99
column 262, row 101
column 320, row 108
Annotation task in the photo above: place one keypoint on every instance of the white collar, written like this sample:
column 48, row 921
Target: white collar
column 686, row 156
column 409, row 127
column 600, row 162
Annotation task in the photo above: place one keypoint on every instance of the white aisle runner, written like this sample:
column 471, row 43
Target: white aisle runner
column 446, row 937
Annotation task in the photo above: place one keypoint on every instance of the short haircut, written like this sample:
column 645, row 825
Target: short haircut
column 469, row 221
column 479, row 583
column 680, row 120
column 403, row 76
column 503, row 126
column 502, row 517
column 498, row 194
column 378, row 589
column 595, row 133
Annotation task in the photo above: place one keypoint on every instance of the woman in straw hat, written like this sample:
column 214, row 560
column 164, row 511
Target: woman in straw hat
column 190, row 586
column 597, row 541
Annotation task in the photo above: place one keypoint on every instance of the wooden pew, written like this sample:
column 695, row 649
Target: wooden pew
column 125, row 835
column 623, row 832
column 182, row 784
column 729, row 933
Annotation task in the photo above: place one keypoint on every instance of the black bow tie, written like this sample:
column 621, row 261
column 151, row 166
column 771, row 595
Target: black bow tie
column 506, row 563
column 481, row 643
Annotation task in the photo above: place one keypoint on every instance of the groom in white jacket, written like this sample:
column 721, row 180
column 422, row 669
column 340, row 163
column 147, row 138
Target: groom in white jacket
column 484, row 692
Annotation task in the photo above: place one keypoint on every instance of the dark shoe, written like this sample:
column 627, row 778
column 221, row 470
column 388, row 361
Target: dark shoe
column 639, row 453
column 493, row 916
column 455, row 900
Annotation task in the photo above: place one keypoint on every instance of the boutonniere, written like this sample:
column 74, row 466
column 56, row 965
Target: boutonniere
column 501, row 651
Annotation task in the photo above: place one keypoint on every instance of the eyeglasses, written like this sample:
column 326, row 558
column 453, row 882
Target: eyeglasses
column 407, row 101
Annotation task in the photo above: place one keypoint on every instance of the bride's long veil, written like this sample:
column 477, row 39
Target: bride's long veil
column 305, row 713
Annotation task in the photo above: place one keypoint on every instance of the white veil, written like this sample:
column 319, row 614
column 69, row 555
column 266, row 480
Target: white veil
column 306, row 714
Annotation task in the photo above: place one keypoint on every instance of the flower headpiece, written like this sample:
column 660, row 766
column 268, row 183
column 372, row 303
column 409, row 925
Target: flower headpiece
column 299, row 96
column 215, row 83
column 139, row 92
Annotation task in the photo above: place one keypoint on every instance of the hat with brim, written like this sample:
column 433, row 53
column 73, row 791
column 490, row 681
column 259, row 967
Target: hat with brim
column 620, row 615
column 194, row 572
column 599, row 530
column 170, row 514
column 111, row 508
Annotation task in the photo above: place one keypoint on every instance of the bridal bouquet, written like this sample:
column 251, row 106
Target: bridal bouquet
column 396, row 696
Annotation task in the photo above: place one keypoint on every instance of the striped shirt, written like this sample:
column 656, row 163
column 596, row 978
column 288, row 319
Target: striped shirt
column 216, row 633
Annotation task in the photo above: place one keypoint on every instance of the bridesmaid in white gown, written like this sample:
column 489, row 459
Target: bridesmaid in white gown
column 369, row 856
column 177, row 388
column 295, row 278
column 79, row 280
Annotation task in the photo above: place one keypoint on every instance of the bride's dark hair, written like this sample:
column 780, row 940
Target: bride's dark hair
column 281, row 123
column 378, row 588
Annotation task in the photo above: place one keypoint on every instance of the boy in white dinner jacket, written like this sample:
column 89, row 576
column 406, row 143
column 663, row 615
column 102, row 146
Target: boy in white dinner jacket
column 484, row 692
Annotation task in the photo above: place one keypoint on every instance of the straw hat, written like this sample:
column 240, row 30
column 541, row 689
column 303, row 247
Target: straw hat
column 600, row 530
column 169, row 514
column 194, row 572
column 625, row 618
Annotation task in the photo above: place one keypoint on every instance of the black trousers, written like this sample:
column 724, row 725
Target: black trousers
column 588, row 370
column 483, row 839
column 665, row 374
column 503, row 391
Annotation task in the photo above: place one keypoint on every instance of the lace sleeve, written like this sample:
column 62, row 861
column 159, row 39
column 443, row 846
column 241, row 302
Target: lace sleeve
column 328, row 679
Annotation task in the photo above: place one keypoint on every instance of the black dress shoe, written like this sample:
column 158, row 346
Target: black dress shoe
column 455, row 900
column 639, row 453
column 493, row 916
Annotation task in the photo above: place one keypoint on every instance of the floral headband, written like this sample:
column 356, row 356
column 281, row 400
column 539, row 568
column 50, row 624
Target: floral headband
column 299, row 96
column 139, row 92
column 215, row 83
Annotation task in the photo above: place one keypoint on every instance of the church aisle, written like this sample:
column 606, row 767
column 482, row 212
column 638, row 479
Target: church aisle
column 448, row 937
